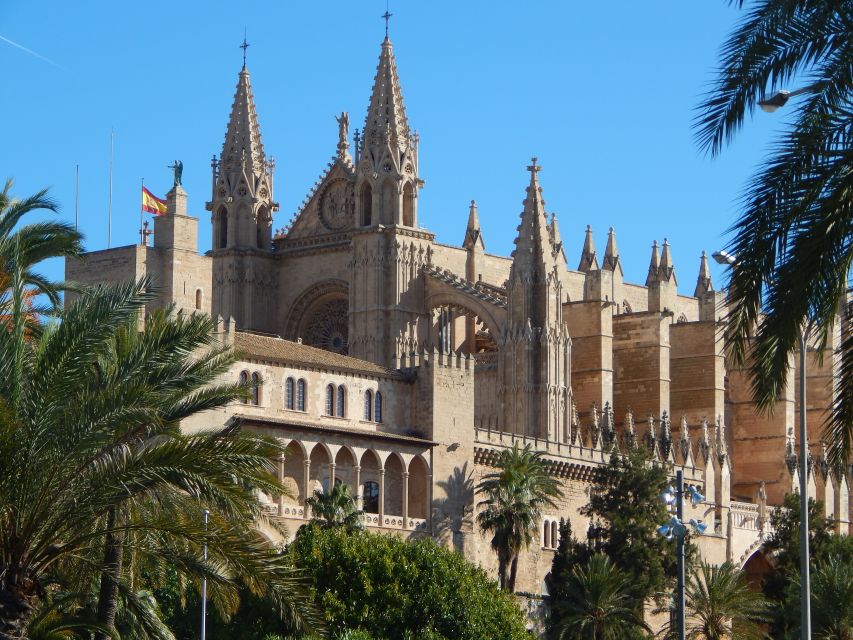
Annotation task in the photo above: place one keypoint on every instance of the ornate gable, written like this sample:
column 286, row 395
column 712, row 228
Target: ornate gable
column 329, row 206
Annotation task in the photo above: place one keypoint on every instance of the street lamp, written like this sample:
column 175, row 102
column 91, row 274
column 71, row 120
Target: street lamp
column 204, row 583
column 676, row 528
column 724, row 258
column 779, row 99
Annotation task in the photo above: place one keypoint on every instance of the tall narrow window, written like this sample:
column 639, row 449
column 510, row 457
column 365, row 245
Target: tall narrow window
column 300, row 395
column 370, row 497
column 368, row 405
column 408, row 205
column 288, row 394
column 256, row 389
column 198, row 299
column 223, row 228
column 342, row 401
column 244, row 380
column 330, row 400
column 546, row 534
column 366, row 205
column 377, row 413
column 554, row 534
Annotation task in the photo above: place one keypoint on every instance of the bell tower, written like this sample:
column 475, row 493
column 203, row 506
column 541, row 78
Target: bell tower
column 242, row 205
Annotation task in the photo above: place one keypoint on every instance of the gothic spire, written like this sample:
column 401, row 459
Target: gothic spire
column 473, row 233
column 243, row 146
column 611, row 252
column 654, row 264
column 556, row 238
column 703, row 282
column 533, row 245
column 666, row 267
column 588, row 260
column 386, row 114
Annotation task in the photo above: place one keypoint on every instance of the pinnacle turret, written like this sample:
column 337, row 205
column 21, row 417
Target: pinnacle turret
column 703, row 282
column 386, row 114
column 473, row 233
column 667, row 270
column 588, row 260
column 654, row 264
column 556, row 239
column 243, row 146
column 533, row 248
column 611, row 252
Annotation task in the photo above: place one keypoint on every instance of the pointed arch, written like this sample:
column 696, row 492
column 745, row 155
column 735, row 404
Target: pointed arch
column 221, row 229
column 365, row 197
column 418, row 488
column 408, row 205
column 389, row 199
column 394, row 467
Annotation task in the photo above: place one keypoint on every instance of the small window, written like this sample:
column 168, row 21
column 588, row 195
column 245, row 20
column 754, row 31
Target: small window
column 342, row 401
column 198, row 299
column 554, row 534
column 288, row 394
column 300, row 395
column 256, row 389
column 368, row 405
column 244, row 380
column 370, row 497
column 546, row 533
column 330, row 400
column 377, row 412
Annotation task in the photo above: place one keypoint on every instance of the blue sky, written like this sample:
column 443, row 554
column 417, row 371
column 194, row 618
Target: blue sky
column 603, row 93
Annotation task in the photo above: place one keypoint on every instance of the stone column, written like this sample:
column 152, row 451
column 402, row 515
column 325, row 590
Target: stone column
column 405, row 499
column 331, row 476
column 429, row 500
column 306, row 483
column 281, row 479
column 381, row 497
column 359, row 492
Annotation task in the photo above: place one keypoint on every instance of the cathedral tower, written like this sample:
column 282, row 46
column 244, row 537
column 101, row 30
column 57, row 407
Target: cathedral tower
column 535, row 362
column 242, row 206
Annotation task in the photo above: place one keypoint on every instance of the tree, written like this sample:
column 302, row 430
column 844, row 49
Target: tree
column 514, row 498
column 94, row 469
column 627, row 510
column 794, row 239
column 832, row 599
column 721, row 605
column 335, row 508
column 598, row 604
column 396, row 590
column 569, row 554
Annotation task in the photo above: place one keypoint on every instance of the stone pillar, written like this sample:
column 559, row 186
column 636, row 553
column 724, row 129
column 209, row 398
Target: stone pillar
column 331, row 476
column 306, row 480
column 405, row 499
column 359, row 492
column 281, row 479
column 381, row 497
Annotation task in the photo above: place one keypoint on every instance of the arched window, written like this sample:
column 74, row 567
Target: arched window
column 546, row 533
column 368, row 405
column 288, row 393
column 244, row 380
column 330, row 400
column 554, row 534
column 256, row 389
column 223, row 228
column 198, row 299
column 300, row 395
column 342, row 401
column 370, row 497
column 366, row 205
column 408, row 205
column 377, row 412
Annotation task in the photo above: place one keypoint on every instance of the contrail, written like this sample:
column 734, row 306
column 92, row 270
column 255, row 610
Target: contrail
column 32, row 53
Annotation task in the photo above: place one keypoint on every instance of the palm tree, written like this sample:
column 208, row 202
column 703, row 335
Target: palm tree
column 337, row 508
column 23, row 246
column 721, row 606
column 512, row 509
column 832, row 600
column 96, row 477
column 598, row 604
column 794, row 239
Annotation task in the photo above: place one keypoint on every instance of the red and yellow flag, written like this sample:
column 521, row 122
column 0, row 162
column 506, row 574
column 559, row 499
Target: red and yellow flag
column 152, row 204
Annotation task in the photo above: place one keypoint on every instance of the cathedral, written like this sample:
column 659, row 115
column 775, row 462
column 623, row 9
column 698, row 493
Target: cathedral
column 402, row 366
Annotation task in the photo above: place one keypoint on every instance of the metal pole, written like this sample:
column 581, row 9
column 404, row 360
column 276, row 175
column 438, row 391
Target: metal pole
column 77, row 200
column 110, row 203
column 204, row 585
column 805, row 582
column 679, row 594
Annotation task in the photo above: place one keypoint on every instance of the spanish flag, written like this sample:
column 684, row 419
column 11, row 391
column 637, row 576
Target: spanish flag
column 152, row 204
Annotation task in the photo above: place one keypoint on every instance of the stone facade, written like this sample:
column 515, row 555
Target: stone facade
column 402, row 366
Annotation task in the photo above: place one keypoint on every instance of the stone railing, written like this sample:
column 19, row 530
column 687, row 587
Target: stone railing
column 745, row 515
column 395, row 522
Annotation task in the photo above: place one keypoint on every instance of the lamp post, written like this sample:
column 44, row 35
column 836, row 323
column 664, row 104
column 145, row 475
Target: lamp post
column 204, row 584
column 723, row 258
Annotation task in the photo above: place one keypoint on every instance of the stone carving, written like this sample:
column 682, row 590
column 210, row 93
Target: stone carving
column 178, row 169
column 337, row 206
column 328, row 327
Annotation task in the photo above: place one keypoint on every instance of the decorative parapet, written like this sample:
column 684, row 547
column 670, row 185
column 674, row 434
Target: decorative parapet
column 478, row 290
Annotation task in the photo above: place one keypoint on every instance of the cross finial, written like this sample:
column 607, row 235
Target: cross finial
column 534, row 168
column 387, row 15
column 244, row 46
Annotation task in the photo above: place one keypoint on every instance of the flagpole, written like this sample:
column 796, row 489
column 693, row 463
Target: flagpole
column 110, row 206
column 142, row 214
column 77, row 200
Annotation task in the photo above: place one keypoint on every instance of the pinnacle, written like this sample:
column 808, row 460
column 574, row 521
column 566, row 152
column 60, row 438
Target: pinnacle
column 611, row 252
column 654, row 264
column 703, row 282
column 386, row 114
column 533, row 246
column 556, row 238
column 243, row 144
column 588, row 262
column 473, row 234
column 667, row 270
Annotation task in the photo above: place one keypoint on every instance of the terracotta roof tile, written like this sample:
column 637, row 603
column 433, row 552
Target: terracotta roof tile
column 273, row 348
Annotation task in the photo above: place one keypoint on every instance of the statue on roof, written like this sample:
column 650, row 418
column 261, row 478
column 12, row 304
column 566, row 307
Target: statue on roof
column 343, row 134
column 178, row 168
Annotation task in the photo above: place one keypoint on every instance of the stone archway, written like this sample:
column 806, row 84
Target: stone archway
column 320, row 317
